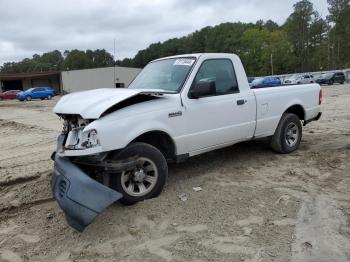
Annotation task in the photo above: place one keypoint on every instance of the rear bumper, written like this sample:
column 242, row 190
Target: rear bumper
column 79, row 196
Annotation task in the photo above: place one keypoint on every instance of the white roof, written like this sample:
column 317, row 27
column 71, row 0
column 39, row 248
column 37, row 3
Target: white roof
column 197, row 55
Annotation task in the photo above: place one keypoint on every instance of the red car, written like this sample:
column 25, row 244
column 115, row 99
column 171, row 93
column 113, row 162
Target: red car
column 11, row 94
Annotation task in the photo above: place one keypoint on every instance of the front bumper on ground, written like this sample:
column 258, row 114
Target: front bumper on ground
column 80, row 197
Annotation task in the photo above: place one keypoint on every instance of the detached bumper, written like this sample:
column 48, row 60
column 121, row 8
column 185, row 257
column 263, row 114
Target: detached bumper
column 80, row 197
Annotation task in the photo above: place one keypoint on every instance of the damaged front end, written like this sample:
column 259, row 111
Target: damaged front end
column 82, row 165
column 80, row 192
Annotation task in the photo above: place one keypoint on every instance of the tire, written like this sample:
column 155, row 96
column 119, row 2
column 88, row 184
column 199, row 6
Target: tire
column 330, row 82
column 49, row 97
column 152, row 165
column 28, row 98
column 288, row 134
column 1, row 99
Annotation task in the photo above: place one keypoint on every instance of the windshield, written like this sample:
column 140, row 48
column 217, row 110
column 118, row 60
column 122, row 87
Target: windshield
column 30, row 90
column 293, row 77
column 327, row 75
column 168, row 74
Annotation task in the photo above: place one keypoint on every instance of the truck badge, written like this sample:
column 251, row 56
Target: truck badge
column 174, row 114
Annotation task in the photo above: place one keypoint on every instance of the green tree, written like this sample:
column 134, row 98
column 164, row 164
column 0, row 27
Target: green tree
column 271, row 25
column 339, row 35
column 297, row 26
column 255, row 51
column 76, row 59
column 100, row 58
column 281, row 50
column 336, row 8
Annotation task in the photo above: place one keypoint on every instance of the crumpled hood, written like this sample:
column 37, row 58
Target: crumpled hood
column 92, row 104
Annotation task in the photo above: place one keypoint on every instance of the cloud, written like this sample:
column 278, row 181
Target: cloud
column 35, row 26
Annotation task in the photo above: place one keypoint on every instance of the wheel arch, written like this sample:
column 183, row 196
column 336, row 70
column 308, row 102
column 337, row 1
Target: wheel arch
column 296, row 109
column 161, row 140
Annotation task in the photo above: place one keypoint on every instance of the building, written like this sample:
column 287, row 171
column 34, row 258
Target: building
column 29, row 80
column 87, row 79
column 71, row 81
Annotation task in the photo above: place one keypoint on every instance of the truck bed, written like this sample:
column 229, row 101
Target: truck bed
column 270, row 101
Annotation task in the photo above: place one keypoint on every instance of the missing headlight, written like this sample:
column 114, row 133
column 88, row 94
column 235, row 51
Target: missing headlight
column 90, row 139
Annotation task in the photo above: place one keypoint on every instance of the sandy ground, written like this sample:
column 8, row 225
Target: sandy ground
column 255, row 205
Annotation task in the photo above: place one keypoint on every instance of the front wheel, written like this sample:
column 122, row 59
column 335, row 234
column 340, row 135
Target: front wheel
column 288, row 134
column 29, row 98
column 330, row 82
column 49, row 97
column 144, row 181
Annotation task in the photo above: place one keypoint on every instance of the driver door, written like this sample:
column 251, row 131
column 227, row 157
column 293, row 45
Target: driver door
column 216, row 120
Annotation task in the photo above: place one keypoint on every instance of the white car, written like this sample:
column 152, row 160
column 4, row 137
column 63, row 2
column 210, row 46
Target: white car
column 299, row 79
column 116, row 143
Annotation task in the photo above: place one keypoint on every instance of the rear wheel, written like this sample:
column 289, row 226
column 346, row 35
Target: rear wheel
column 144, row 181
column 288, row 134
column 29, row 98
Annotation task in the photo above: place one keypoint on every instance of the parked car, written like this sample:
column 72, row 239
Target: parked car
column 127, row 135
column 331, row 78
column 10, row 94
column 299, row 79
column 36, row 93
column 266, row 82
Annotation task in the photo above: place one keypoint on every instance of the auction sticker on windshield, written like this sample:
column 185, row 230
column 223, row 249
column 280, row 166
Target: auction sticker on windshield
column 184, row 61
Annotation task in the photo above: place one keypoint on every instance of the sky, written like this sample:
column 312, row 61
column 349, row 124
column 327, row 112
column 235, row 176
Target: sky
column 28, row 27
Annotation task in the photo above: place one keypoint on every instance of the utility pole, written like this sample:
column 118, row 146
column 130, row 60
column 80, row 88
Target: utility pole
column 271, row 60
column 114, row 60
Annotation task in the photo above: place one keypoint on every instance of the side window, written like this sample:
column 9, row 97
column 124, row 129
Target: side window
column 221, row 71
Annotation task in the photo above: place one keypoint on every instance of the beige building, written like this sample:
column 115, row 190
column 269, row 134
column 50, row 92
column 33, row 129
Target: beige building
column 71, row 81
column 87, row 79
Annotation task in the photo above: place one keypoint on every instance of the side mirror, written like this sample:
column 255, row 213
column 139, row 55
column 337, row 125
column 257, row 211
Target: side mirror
column 203, row 89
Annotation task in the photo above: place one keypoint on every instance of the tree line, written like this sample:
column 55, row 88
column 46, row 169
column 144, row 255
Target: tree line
column 56, row 61
column 305, row 42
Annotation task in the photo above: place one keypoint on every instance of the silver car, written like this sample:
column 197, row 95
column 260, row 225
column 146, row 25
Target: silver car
column 299, row 79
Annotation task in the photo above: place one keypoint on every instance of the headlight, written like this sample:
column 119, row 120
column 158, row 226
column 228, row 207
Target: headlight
column 90, row 139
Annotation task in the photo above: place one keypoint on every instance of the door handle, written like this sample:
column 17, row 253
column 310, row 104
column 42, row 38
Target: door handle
column 241, row 102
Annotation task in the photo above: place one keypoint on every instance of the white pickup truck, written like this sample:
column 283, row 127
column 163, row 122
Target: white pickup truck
column 116, row 143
